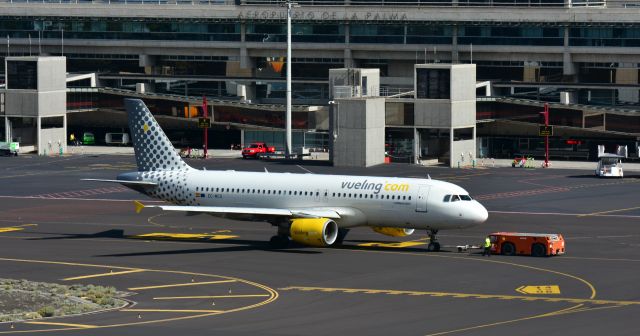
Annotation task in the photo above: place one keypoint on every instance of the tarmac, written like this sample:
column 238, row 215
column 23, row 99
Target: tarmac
column 202, row 275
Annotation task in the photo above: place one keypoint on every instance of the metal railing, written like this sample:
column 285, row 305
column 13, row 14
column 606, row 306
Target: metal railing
column 631, row 4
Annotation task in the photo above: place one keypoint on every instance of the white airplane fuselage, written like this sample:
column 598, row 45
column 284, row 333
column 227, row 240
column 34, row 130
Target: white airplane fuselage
column 372, row 201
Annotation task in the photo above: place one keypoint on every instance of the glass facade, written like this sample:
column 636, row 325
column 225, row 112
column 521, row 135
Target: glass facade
column 120, row 30
column 604, row 37
column 372, row 33
column 316, row 33
column 501, row 35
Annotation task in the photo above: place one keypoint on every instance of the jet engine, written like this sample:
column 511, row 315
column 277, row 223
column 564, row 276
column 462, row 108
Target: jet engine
column 392, row 231
column 314, row 231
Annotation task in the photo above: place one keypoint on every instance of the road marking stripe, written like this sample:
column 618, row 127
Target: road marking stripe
column 606, row 212
column 72, row 325
column 103, row 274
column 209, row 297
column 557, row 214
column 465, row 295
column 10, row 229
column 181, row 285
column 173, row 310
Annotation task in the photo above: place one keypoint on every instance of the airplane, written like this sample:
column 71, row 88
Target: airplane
column 310, row 209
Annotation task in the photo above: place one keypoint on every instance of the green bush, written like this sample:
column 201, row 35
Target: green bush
column 46, row 311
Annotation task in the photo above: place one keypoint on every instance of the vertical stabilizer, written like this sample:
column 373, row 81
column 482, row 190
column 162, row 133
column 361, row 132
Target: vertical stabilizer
column 153, row 149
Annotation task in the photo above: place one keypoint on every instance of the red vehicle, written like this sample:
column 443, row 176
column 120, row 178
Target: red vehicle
column 533, row 244
column 256, row 149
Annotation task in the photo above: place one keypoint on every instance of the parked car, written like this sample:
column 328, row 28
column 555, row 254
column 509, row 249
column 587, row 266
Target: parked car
column 257, row 149
column 88, row 138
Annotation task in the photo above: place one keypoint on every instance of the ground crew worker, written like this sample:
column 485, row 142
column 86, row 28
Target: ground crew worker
column 72, row 139
column 487, row 247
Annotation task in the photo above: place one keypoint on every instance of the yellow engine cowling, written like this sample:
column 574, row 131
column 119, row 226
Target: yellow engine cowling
column 393, row 232
column 314, row 231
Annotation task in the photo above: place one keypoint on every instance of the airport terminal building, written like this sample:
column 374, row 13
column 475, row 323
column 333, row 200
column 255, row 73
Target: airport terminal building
column 580, row 56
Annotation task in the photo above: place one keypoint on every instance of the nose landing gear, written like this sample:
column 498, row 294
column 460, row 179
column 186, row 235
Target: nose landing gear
column 433, row 246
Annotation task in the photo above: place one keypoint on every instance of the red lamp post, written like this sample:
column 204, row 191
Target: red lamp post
column 546, row 136
column 205, row 114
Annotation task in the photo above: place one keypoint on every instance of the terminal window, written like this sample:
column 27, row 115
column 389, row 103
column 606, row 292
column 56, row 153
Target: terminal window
column 433, row 83
column 22, row 75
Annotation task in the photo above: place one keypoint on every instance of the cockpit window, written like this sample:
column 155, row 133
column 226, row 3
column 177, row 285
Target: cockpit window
column 455, row 198
column 465, row 197
column 446, row 198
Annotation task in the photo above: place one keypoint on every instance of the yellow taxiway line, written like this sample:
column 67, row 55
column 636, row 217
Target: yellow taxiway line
column 103, row 275
column 172, row 311
column 181, row 285
column 464, row 295
column 609, row 211
column 210, row 297
column 60, row 324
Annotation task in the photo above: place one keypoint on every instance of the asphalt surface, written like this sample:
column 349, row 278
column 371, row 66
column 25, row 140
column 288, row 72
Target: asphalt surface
column 201, row 275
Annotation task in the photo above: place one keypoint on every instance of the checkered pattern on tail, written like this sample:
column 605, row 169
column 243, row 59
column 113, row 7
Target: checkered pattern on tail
column 154, row 151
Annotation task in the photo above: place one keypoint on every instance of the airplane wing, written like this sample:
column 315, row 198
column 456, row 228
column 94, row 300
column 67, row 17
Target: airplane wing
column 246, row 211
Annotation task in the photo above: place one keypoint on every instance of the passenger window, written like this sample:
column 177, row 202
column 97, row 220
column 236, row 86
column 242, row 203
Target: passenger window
column 409, row 197
column 404, row 198
column 446, row 198
column 376, row 196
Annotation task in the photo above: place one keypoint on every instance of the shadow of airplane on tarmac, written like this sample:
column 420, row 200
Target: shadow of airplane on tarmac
column 239, row 245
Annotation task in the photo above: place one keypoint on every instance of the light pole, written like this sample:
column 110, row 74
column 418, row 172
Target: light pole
column 288, row 150
column 546, row 136
column 334, row 105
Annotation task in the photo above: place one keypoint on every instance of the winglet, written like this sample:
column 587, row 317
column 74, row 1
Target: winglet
column 139, row 206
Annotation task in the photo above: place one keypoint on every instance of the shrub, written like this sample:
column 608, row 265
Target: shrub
column 46, row 311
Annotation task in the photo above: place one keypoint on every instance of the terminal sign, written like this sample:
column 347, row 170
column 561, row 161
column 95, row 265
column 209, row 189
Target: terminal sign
column 546, row 131
column 204, row 123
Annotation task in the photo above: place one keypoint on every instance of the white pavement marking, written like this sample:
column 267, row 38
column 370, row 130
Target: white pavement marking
column 557, row 214
column 305, row 169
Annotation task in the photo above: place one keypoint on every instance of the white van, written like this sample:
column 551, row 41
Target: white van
column 116, row 138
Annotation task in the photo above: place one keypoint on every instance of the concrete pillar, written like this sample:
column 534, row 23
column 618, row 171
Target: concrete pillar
column 628, row 76
column 348, row 59
column 7, row 129
column 148, row 62
column 568, row 67
column 246, row 62
column 416, row 145
column 455, row 56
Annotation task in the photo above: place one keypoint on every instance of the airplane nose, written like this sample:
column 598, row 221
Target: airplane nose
column 481, row 214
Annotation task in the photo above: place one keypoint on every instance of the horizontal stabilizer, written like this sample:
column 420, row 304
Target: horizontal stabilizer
column 125, row 182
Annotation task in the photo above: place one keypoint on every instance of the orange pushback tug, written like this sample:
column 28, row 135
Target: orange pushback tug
column 533, row 244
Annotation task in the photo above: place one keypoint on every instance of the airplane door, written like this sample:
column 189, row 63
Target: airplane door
column 421, row 202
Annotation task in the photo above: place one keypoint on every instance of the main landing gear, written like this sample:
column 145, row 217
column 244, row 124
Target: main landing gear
column 433, row 246
column 281, row 239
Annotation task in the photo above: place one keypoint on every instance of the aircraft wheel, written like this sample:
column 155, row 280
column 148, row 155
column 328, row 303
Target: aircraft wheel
column 279, row 241
column 433, row 247
column 342, row 233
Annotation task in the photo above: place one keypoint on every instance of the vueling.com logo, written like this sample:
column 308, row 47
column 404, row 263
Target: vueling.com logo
column 376, row 187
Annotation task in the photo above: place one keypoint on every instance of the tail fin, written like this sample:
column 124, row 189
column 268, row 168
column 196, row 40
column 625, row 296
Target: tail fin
column 153, row 149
